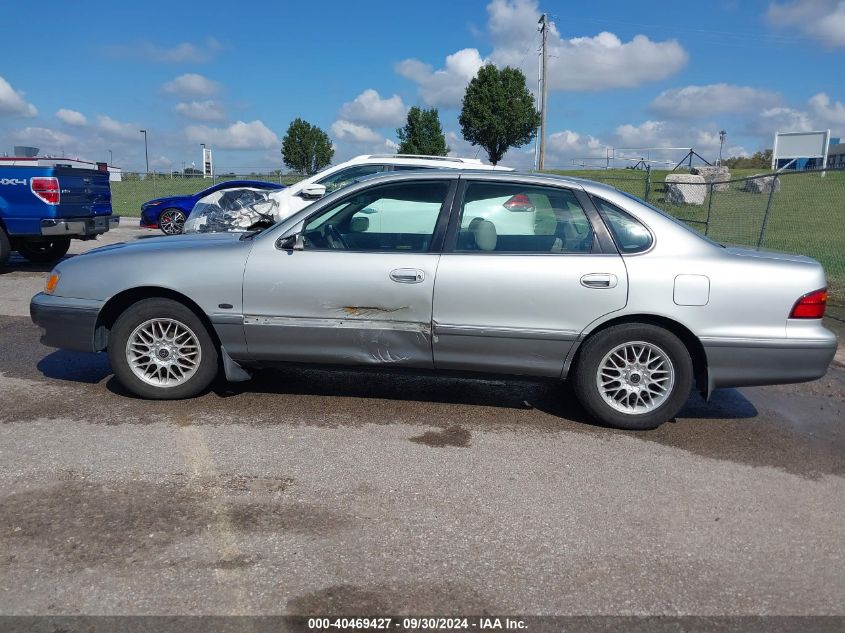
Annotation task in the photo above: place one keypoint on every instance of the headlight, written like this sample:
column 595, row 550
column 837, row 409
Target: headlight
column 52, row 282
column 152, row 204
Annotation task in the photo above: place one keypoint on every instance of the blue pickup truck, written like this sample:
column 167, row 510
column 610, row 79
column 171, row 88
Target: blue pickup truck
column 46, row 203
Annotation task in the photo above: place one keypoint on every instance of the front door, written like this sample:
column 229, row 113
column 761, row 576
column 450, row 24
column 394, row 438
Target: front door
column 522, row 275
column 360, row 291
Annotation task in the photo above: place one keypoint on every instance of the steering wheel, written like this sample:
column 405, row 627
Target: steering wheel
column 334, row 238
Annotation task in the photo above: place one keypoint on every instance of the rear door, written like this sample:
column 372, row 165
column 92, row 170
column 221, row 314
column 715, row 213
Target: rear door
column 525, row 269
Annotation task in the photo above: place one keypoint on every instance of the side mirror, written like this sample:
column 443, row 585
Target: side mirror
column 313, row 192
column 294, row 242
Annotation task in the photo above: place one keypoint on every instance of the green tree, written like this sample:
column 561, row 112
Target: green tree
column 498, row 111
column 760, row 160
column 422, row 133
column 306, row 148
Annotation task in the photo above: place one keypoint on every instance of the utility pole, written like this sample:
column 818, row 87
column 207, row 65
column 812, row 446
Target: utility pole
column 722, row 135
column 146, row 152
column 544, row 29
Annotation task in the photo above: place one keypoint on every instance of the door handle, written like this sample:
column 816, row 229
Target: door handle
column 407, row 275
column 599, row 280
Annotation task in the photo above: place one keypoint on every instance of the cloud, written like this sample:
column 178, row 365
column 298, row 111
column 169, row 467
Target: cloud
column 181, row 53
column 209, row 110
column 670, row 134
column 352, row 132
column 42, row 137
column 13, row 102
column 823, row 20
column 692, row 102
column 116, row 128
column 600, row 62
column 191, row 84
column 71, row 117
column 821, row 113
column 368, row 108
column 443, row 87
column 161, row 162
column 239, row 135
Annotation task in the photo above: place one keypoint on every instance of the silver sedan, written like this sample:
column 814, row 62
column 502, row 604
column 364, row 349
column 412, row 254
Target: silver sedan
column 497, row 273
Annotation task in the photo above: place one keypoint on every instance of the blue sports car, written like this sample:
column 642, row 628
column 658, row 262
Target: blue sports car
column 169, row 214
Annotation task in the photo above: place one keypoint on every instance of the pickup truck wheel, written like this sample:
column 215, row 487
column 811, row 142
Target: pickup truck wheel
column 5, row 247
column 44, row 251
column 172, row 222
column 160, row 350
column 633, row 376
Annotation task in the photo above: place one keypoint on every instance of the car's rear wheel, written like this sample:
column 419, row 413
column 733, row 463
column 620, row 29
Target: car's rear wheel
column 44, row 251
column 172, row 221
column 633, row 376
column 5, row 247
column 159, row 349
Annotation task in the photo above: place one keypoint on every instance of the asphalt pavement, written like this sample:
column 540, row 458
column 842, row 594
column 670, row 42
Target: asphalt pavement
column 317, row 492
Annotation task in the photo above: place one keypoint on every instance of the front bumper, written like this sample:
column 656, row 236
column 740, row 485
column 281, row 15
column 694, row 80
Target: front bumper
column 65, row 322
column 73, row 227
column 753, row 362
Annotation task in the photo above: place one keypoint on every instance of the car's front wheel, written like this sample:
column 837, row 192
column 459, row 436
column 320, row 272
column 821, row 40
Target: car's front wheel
column 172, row 221
column 159, row 349
column 633, row 376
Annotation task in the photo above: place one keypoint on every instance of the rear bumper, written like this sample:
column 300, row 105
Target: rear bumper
column 752, row 362
column 72, row 227
column 65, row 323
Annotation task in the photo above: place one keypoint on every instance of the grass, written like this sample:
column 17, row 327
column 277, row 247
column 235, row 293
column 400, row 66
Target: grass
column 807, row 215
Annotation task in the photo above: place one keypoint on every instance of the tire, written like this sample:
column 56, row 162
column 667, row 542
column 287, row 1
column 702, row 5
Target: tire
column 44, row 251
column 626, row 403
column 142, row 324
column 172, row 221
column 5, row 247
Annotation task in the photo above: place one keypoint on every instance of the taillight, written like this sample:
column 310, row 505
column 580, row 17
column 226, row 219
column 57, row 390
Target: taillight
column 46, row 188
column 810, row 306
column 519, row 202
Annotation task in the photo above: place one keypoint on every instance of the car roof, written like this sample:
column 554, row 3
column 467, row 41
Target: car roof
column 451, row 162
column 498, row 176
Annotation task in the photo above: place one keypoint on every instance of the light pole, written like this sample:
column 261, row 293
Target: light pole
column 111, row 158
column 146, row 152
column 722, row 135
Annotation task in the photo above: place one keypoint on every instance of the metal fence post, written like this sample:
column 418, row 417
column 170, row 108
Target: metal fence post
column 647, row 182
column 774, row 186
column 709, row 209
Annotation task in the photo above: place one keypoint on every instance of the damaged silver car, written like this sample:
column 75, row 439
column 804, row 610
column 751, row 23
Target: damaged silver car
column 490, row 272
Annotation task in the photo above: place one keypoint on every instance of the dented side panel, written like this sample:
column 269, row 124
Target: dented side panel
column 338, row 307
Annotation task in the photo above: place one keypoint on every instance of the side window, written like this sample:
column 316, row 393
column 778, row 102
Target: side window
column 630, row 235
column 399, row 217
column 514, row 218
column 345, row 176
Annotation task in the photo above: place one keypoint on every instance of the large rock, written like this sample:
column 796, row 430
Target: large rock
column 685, row 189
column 714, row 174
column 762, row 184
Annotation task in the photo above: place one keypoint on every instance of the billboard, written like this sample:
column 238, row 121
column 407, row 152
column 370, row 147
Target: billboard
column 207, row 165
column 800, row 145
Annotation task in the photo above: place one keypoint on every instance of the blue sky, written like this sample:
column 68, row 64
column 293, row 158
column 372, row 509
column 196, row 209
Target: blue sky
column 622, row 74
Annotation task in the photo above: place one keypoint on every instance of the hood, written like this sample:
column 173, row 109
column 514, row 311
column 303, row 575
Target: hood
column 169, row 200
column 163, row 243
column 784, row 257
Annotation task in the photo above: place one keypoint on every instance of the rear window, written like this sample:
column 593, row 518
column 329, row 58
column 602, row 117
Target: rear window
column 630, row 235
